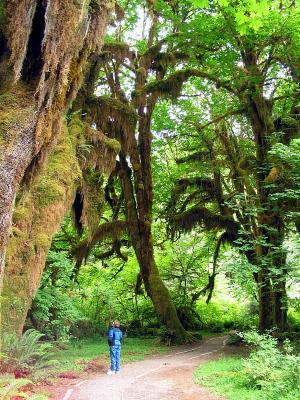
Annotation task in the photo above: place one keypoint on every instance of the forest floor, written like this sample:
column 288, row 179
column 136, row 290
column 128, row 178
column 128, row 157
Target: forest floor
column 159, row 377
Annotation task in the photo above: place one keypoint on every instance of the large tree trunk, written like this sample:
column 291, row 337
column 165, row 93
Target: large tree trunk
column 36, row 218
column 18, row 120
column 280, row 305
column 270, row 232
column 49, row 57
column 139, row 229
column 265, row 302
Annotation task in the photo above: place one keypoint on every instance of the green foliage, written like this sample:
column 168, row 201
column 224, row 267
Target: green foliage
column 26, row 352
column 268, row 374
column 204, row 134
column 269, row 368
column 221, row 315
column 54, row 310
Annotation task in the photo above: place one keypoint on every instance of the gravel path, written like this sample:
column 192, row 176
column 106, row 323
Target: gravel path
column 163, row 377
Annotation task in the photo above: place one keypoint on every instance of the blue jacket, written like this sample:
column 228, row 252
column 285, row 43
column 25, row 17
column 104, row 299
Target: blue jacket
column 114, row 336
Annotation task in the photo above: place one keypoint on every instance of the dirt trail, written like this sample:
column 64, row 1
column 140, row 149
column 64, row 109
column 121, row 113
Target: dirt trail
column 163, row 377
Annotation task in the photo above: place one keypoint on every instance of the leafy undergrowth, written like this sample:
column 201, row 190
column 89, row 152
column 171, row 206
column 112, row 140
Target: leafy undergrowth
column 271, row 372
column 226, row 377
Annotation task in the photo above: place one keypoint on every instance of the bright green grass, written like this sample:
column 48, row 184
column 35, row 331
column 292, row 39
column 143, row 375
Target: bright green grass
column 225, row 376
column 133, row 349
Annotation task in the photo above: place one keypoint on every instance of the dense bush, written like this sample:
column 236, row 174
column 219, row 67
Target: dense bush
column 271, row 372
column 270, row 368
column 294, row 315
column 220, row 315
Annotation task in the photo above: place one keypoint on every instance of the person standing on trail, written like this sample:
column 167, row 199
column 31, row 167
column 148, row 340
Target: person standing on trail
column 115, row 340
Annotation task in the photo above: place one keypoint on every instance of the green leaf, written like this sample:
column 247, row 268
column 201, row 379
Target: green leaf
column 256, row 24
column 223, row 3
column 200, row 3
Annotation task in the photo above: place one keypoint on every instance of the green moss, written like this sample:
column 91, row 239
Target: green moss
column 113, row 144
column 49, row 191
column 76, row 130
column 17, row 232
column 21, row 213
column 12, row 246
column 42, row 240
column 8, row 98
column 62, row 170
column 14, row 108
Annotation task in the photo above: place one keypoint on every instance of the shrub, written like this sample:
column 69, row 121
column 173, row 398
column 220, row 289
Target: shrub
column 166, row 336
column 218, row 316
column 234, row 339
column 270, row 368
column 24, row 353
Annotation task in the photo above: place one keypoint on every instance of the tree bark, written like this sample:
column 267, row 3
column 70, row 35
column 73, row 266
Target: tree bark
column 280, row 306
column 16, row 148
column 265, row 302
column 37, row 217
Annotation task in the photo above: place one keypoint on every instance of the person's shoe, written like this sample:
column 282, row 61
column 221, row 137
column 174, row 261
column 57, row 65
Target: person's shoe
column 110, row 372
column 117, row 372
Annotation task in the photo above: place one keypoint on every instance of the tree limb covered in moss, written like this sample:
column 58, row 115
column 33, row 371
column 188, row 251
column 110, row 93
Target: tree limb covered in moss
column 112, row 229
column 111, row 107
column 171, row 87
column 205, row 185
column 196, row 215
column 196, row 156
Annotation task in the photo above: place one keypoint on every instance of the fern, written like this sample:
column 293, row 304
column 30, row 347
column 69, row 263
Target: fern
column 24, row 352
column 12, row 389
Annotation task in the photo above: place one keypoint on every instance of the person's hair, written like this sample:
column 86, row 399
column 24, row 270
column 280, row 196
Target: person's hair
column 117, row 323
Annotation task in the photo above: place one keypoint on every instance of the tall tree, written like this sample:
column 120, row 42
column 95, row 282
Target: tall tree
column 129, row 121
column 248, row 83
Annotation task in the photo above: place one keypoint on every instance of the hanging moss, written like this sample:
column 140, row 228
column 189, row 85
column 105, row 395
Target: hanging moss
column 167, row 88
column 93, row 198
column 114, row 108
column 196, row 215
column 19, row 17
column 15, row 107
column 118, row 51
column 52, row 184
column 274, row 175
column 113, row 230
column 163, row 60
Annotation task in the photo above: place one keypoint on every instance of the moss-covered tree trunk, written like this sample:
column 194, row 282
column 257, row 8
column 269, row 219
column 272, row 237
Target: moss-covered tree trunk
column 17, row 125
column 43, row 60
column 36, row 218
column 139, row 229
